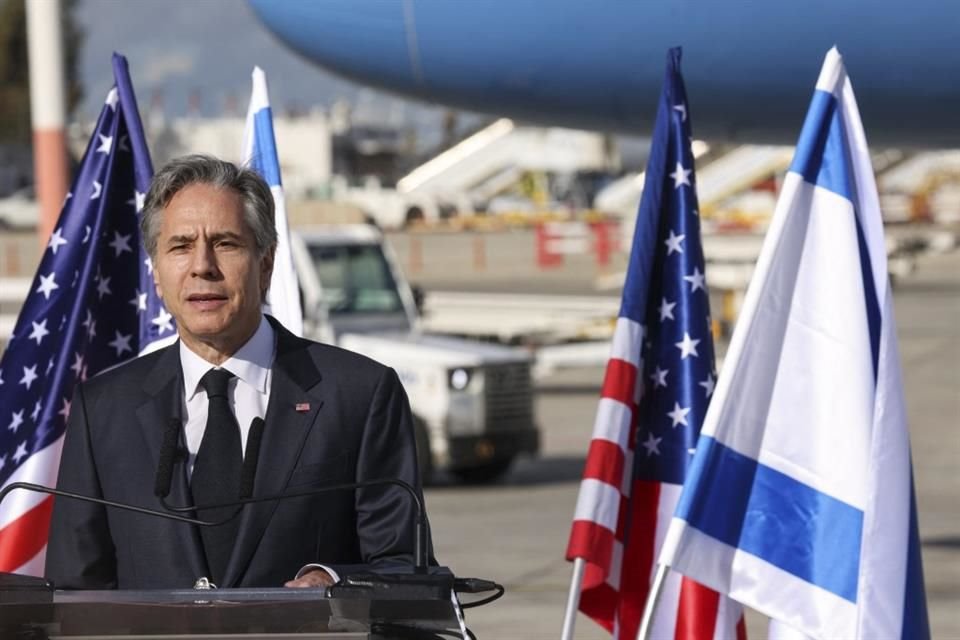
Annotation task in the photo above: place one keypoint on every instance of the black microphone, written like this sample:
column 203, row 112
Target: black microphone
column 168, row 450
column 249, row 470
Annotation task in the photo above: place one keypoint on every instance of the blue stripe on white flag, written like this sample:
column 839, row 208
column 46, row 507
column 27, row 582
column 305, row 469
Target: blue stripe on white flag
column 874, row 317
column 774, row 517
column 259, row 152
column 264, row 157
column 916, row 624
column 823, row 159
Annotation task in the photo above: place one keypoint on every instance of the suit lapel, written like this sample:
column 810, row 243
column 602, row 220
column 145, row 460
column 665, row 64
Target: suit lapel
column 294, row 381
column 164, row 385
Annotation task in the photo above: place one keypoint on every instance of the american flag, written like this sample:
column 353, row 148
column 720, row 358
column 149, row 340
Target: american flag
column 91, row 306
column 657, row 385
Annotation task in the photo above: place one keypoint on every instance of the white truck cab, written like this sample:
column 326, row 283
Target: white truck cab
column 472, row 401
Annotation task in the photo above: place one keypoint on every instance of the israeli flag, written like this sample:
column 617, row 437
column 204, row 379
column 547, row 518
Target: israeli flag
column 260, row 154
column 800, row 501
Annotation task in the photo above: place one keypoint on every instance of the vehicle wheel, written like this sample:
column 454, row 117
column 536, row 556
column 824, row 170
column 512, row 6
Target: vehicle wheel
column 485, row 474
column 424, row 457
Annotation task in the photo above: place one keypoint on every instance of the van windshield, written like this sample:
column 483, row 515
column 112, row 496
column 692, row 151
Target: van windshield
column 356, row 279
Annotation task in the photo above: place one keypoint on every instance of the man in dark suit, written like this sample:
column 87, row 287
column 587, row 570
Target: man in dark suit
column 331, row 416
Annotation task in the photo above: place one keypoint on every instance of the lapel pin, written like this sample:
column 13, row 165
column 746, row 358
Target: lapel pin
column 302, row 407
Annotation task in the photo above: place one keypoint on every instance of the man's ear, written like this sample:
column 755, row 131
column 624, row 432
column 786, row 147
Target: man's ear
column 266, row 271
column 156, row 280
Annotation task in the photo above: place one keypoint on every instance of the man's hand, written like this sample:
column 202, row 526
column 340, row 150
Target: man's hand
column 312, row 578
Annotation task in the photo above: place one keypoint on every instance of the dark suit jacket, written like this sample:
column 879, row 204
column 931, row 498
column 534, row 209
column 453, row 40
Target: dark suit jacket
column 358, row 427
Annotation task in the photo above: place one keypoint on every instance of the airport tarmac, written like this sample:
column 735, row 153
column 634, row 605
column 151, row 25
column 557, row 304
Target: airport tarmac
column 516, row 532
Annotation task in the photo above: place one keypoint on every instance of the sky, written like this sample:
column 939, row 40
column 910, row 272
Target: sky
column 177, row 47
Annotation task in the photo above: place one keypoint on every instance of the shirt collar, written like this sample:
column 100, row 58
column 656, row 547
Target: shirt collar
column 251, row 363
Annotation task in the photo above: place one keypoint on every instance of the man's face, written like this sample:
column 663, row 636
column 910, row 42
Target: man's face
column 208, row 272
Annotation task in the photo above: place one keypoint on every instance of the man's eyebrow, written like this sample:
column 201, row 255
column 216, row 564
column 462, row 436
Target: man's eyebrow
column 225, row 235
column 182, row 238
column 214, row 237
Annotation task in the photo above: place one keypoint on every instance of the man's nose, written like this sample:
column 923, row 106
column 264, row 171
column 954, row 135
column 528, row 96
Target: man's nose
column 204, row 261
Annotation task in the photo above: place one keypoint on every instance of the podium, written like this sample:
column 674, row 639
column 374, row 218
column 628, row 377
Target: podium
column 32, row 610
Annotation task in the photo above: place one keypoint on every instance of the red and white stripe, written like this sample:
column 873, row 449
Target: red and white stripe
column 619, row 539
column 25, row 515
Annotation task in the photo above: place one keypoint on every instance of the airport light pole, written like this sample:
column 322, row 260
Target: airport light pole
column 47, row 110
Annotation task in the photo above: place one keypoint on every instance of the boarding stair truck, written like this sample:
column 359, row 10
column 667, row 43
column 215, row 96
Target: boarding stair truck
column 472, row 401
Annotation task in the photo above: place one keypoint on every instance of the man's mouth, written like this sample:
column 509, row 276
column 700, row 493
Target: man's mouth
column 206, row 301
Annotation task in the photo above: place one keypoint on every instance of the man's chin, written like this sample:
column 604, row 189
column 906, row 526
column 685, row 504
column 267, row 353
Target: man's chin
column 225, row 334
column 210, row 331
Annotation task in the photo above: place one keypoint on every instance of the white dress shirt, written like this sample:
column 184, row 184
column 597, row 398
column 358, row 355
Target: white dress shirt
column 248, row 391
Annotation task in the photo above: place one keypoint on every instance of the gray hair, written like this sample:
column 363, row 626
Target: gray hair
column 258, row 211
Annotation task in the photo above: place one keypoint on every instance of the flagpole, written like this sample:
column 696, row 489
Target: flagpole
column 573, row 599
column 652, row 599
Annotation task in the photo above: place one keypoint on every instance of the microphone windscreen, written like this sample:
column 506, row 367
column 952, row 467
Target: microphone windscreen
column 168, row 449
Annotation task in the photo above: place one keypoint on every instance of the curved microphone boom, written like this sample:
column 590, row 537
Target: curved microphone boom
column 420, row 521
column 170, row 451
column 39, row 488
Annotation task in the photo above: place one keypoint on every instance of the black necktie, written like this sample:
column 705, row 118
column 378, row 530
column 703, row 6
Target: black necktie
column 216, row 472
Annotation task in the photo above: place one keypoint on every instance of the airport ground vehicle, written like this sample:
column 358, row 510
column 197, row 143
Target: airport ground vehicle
column 472, row 401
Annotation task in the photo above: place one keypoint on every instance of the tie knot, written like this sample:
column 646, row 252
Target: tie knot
column 215, row 382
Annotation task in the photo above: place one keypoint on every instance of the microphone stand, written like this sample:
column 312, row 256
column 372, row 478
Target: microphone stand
column 420, row 521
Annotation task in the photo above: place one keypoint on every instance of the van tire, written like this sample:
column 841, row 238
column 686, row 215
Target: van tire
column 485, row 474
